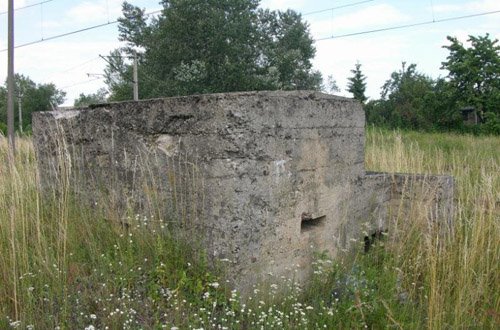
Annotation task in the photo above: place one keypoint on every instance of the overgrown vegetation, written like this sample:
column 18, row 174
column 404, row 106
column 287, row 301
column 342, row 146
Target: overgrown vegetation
column 84, row 100
column 64, row 264
column 229, row 46
column 236, row 46
column 34, row 97
column 413, row 100
column 212, row 46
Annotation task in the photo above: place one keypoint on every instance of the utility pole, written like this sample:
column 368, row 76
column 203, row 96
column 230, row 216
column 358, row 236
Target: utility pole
column 136, row 82
column 10, row 79
column 19, row 97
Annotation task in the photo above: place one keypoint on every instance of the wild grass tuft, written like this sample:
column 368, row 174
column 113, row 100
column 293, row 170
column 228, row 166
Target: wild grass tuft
column 64, row 264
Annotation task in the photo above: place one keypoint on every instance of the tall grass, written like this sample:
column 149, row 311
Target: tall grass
column 461, row 275
column 66, row 264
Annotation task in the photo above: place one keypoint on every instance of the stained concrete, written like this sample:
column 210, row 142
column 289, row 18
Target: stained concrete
column 263, row 179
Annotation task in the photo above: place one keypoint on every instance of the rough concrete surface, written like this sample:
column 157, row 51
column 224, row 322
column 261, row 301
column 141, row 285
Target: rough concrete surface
column 265, row 179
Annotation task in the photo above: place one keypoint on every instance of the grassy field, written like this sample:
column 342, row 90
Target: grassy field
column 65, row 265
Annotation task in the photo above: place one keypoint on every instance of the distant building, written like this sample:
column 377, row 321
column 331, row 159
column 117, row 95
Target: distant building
column 470, row 115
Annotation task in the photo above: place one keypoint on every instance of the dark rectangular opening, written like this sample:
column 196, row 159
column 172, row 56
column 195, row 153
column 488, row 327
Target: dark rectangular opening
column 310, row 223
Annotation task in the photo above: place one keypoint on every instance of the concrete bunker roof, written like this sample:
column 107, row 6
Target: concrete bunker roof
column 299, row 94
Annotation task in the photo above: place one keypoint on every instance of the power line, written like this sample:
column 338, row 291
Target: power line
column 28, row 6
column 409, row 25
column 333, row 8
column 70, row 69
column 62, row 35
column 105, row 58
column 80, row 83
column 79, row 65
column 74, row 32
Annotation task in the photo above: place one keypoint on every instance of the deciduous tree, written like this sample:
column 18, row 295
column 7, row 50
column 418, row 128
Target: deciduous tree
column 209, row 46
column 474, row 73
column 35, row 97
column 84, row 100
column 407, row 100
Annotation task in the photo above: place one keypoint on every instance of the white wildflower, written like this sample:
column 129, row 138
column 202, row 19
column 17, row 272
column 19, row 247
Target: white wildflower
column 15, row 324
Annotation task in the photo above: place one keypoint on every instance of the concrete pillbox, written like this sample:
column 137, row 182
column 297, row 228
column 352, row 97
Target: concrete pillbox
column 263, row 179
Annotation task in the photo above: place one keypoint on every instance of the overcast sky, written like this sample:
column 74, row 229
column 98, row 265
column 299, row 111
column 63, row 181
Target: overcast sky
column 67, row 61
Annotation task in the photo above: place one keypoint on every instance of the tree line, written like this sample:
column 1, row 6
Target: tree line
column 233, row 45
column 410, row 99
column 211, row 46
column 33, row 96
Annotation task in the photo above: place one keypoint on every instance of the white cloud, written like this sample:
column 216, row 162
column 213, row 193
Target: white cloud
column 468, row 7
column 446, row 8
column 87, row 13
column 379, row 56
column 94, row 11
column 381, row 15
column 51, row 24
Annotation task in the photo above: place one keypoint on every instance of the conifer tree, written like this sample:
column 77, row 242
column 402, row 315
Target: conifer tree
column 356, row 85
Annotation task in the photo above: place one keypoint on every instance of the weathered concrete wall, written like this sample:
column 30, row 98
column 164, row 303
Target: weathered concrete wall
column 388, row 196
column 266, row 178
